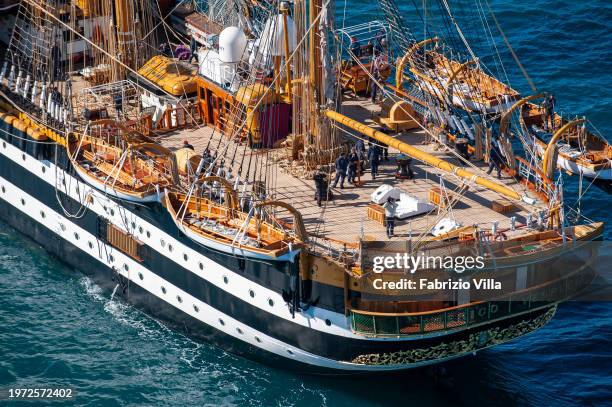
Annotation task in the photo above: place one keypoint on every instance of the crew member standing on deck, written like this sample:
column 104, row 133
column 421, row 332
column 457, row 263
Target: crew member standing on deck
column 353, row 161
column 341, row 166
column 193, row 49
column 374, row 157
column 548, row 111
column 375, row 77
column 390, row 209
column 495, row 160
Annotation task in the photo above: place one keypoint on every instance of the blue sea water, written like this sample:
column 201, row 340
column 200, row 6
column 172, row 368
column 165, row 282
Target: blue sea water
column 58, row 329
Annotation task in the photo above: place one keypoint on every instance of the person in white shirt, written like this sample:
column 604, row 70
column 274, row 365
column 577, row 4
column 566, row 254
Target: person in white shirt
column 390, row 208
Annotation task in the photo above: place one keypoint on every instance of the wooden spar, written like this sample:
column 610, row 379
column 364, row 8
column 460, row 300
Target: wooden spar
column 554, row 139
column 399, row 70
column 457, row 71
column 284, row 9
column 423, row 156
column 505, row 119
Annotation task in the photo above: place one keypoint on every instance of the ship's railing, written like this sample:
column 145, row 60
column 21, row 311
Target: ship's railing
column 419, row 323
column 180, row 117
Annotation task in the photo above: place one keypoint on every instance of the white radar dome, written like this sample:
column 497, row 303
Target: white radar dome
column 232, row 43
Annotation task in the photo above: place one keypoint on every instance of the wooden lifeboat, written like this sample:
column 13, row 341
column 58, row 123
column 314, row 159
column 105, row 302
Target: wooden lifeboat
column 465, row 85
column 579, row 150
column 225, row 228
column 122, row 163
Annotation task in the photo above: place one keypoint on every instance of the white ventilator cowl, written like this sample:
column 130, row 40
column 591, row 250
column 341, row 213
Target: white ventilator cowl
column 232, row 43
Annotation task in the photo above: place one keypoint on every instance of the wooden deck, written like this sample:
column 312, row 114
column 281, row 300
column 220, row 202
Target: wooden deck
column 344, row 218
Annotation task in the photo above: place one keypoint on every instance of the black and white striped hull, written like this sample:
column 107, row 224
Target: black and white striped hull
column 234, row 302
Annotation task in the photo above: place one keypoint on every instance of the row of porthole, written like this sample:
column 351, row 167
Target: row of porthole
column 126, row 268
column 221, row 321
column 200, row 264
column 179, row 299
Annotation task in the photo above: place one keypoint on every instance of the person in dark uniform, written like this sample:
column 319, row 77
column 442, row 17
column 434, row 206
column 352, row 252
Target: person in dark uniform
column 341, row 166
column 353, row 161
column 187, row 145
column 374, row 157
column 322, row 192
column 549, row 112
column 193, row 49
column 495, row 160
column 376, row 78
column 118, row 99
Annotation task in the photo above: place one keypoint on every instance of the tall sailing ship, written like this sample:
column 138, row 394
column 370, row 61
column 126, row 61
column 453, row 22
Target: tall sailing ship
column 182, row 155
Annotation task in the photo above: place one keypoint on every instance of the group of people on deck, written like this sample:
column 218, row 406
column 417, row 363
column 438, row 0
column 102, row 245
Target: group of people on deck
column 349, row 166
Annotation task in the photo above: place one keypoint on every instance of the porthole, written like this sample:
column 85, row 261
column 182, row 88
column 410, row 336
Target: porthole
column 44, row 169
column 257, row 339
column 76, row 189
column 23, row 157
column 163, row 290
column 270, row 302
column 64, row 181
column 3, row 189
column 76, row 236
column 42, row 214
column 111, row 258
column 252, row 293
column 140, row 276
column 126, row 267
column 112, row 212
column 327, row 322
column 196, row 309
column 90, row 245
column 179, row 299
column 222, row 322
column 22, row 201
column 163, row 243
column 201, row 266
column 185, row 257
column 4, row 144
column 140, row 229
column 133, row 225
column 63, row 227
column 170, row 248
column 225, row 279
column 148, row 234
column 289, row 351
column 239, row 331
